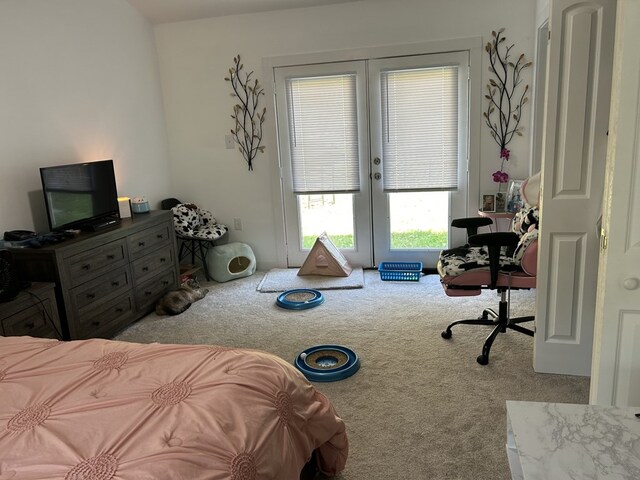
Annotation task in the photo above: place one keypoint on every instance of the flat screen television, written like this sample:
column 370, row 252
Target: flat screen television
column 80, row 195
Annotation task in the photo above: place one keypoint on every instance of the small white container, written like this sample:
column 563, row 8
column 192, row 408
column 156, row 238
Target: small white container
column 140, row 205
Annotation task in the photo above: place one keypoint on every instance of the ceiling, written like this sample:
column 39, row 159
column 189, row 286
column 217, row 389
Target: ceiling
column 167, row 11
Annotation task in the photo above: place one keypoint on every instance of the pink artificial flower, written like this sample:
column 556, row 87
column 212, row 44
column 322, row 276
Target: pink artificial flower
column 500, row 177
column 505, row 153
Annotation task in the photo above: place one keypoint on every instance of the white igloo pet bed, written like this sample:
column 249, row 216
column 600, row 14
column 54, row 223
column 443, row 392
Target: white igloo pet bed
column 230, row 261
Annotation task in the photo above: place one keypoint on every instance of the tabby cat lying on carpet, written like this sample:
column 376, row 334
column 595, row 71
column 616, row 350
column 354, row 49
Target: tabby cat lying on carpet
column 177, row 301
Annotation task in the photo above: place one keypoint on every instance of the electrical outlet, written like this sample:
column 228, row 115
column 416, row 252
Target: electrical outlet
column 237, row 224
column 229, row 142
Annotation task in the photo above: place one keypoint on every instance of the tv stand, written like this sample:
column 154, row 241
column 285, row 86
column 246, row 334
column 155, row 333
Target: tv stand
column 106, row 279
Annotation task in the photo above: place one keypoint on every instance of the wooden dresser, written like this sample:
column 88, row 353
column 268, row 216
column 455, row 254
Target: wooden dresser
column 106, row 280
column 33, row 312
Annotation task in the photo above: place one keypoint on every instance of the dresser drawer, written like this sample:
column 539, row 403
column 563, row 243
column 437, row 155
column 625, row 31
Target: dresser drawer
column 87, row 265
column 150, row 291
column 108, row 285
column 152, row 263
column 31, row 321
column 140, row 243
column 95, row 321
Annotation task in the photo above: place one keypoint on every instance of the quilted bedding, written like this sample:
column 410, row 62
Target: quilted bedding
column 100, row 410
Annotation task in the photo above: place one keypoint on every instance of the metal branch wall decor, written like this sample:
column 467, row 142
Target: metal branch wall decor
column 247, row 115
column 503, row 99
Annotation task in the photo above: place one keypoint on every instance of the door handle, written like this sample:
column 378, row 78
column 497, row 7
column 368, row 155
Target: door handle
column 631, row 283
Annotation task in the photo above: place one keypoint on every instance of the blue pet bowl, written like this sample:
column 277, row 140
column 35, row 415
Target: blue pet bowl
column 299, row 299
column 327, row 363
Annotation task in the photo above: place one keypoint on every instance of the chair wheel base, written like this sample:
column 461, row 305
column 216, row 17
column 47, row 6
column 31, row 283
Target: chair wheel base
column 446, row 334
column 482, row 359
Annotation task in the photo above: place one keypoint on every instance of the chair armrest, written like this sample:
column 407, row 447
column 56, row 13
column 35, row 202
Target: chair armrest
column 471, row 224
column 494, row 243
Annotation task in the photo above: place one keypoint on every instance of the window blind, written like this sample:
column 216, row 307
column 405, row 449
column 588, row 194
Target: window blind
column 420, row 129
column 323, row 131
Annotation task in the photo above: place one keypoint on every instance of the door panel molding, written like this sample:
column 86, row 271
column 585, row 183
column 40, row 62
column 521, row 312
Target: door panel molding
column 626, row 385
column 564, row 306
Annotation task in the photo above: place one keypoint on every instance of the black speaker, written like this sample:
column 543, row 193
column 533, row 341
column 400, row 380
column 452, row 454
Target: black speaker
column 9, row 284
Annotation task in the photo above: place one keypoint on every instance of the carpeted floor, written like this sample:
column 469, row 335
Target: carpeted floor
column 420, row 407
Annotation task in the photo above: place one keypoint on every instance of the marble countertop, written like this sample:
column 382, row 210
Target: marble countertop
column 563, row 441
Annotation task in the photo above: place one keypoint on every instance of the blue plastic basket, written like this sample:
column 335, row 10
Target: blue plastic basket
column 403, row 271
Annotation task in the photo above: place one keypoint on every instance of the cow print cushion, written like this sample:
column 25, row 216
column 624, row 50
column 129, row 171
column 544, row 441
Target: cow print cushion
column 191, row 221
column 456, row 261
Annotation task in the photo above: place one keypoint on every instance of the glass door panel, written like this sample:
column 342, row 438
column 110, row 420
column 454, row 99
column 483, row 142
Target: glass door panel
column 419, row 220
column 330, row 213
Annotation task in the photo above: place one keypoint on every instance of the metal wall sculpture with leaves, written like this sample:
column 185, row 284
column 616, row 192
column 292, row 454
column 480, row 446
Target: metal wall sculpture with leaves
column 504, row 102
column 247, row 115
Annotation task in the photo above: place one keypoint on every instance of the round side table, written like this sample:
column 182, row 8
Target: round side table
column 497, row 217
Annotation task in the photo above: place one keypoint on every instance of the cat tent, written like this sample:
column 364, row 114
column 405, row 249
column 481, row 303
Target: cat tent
column 325, row 259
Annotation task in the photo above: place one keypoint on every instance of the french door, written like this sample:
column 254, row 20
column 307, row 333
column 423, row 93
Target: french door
column 374, row 152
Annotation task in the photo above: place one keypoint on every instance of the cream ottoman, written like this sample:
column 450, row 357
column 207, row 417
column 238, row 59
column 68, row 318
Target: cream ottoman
column 230, row 261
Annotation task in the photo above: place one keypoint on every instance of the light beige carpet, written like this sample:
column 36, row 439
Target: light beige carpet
column 420, row 407
column 281, row 279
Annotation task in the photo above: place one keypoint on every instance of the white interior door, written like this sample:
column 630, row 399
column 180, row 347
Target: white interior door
column 414, row 110
column 573, row 165
column 615, row 378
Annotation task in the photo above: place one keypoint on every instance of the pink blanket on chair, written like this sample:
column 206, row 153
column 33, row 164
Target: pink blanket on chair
column 99, row 409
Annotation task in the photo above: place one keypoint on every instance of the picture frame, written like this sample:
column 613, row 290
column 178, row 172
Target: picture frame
column 488, row 202
column 501, row 202
column 514, row 198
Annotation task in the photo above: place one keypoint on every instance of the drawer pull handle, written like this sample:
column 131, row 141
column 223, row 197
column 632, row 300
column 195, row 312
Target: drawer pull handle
column 141, row 244
column 163, row 259
column 115, row 284
column 119, row 310
column 147, row 293
column 86, row 266
column 165, row 283
column 145, row 269
column 111, row 257
column 95, row 324
column 160, row 236
column 91, row 295
column 29, row 325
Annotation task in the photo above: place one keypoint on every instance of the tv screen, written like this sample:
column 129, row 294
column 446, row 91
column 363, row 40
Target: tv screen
column 79, row 195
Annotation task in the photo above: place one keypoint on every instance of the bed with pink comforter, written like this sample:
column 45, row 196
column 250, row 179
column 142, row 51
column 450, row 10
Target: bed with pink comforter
column 100, row 410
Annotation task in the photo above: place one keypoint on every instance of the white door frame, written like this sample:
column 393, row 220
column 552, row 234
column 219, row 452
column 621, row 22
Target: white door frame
column 475, row 47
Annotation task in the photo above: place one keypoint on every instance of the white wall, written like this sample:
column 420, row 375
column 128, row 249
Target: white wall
column 194, row 58
column 79, row 82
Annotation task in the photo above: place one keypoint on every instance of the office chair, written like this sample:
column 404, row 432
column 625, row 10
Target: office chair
column 500, row 261
column 196, row 229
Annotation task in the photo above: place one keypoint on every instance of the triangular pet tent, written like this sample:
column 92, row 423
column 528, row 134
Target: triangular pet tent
column 325, row 259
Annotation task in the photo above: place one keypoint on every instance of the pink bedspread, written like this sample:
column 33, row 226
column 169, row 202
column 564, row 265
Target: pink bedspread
column 100, row 409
